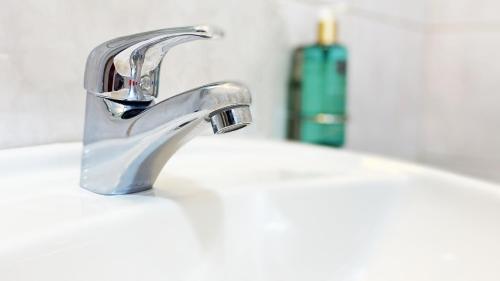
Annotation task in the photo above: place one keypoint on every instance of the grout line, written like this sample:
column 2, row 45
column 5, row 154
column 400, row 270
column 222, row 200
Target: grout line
column 464, row 27
column 444, row 155
column 423, row 26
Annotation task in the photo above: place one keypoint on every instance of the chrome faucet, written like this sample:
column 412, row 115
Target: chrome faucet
column 128, row 136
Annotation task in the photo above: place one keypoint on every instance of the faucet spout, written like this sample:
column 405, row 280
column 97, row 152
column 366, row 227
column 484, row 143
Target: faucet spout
column 207, row 102
column 131, row 159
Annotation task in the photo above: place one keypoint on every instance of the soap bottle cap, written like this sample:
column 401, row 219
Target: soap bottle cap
column 327, row 28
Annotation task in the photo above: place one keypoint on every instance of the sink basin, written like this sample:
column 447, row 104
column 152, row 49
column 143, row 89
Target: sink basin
column 233, row 209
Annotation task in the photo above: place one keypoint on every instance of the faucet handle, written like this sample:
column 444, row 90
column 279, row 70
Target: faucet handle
column 128, row 68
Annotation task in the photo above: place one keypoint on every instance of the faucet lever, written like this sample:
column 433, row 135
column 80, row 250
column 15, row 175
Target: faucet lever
column 127, row 68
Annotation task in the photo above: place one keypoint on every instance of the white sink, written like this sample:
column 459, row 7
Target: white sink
column 237, row 210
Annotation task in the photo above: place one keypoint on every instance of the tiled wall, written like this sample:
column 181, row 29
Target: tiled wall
column 44, row 45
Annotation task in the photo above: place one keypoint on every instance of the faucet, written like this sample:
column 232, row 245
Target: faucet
column 128, row 135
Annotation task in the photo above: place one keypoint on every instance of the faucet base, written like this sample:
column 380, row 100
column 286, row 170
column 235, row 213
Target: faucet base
column 118, row 191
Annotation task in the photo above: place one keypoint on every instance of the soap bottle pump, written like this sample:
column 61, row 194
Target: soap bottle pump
column 317, row 89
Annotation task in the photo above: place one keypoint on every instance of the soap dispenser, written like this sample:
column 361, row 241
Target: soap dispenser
column 317, row 89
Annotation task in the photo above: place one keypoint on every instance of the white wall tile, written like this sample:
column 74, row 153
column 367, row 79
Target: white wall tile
column 462, row 105
column 463, row 11
column 479, row 167
column 406, row 10
column 385, row 88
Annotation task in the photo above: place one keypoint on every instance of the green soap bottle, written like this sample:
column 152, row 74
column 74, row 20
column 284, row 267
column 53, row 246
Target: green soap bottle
column 317, row 97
